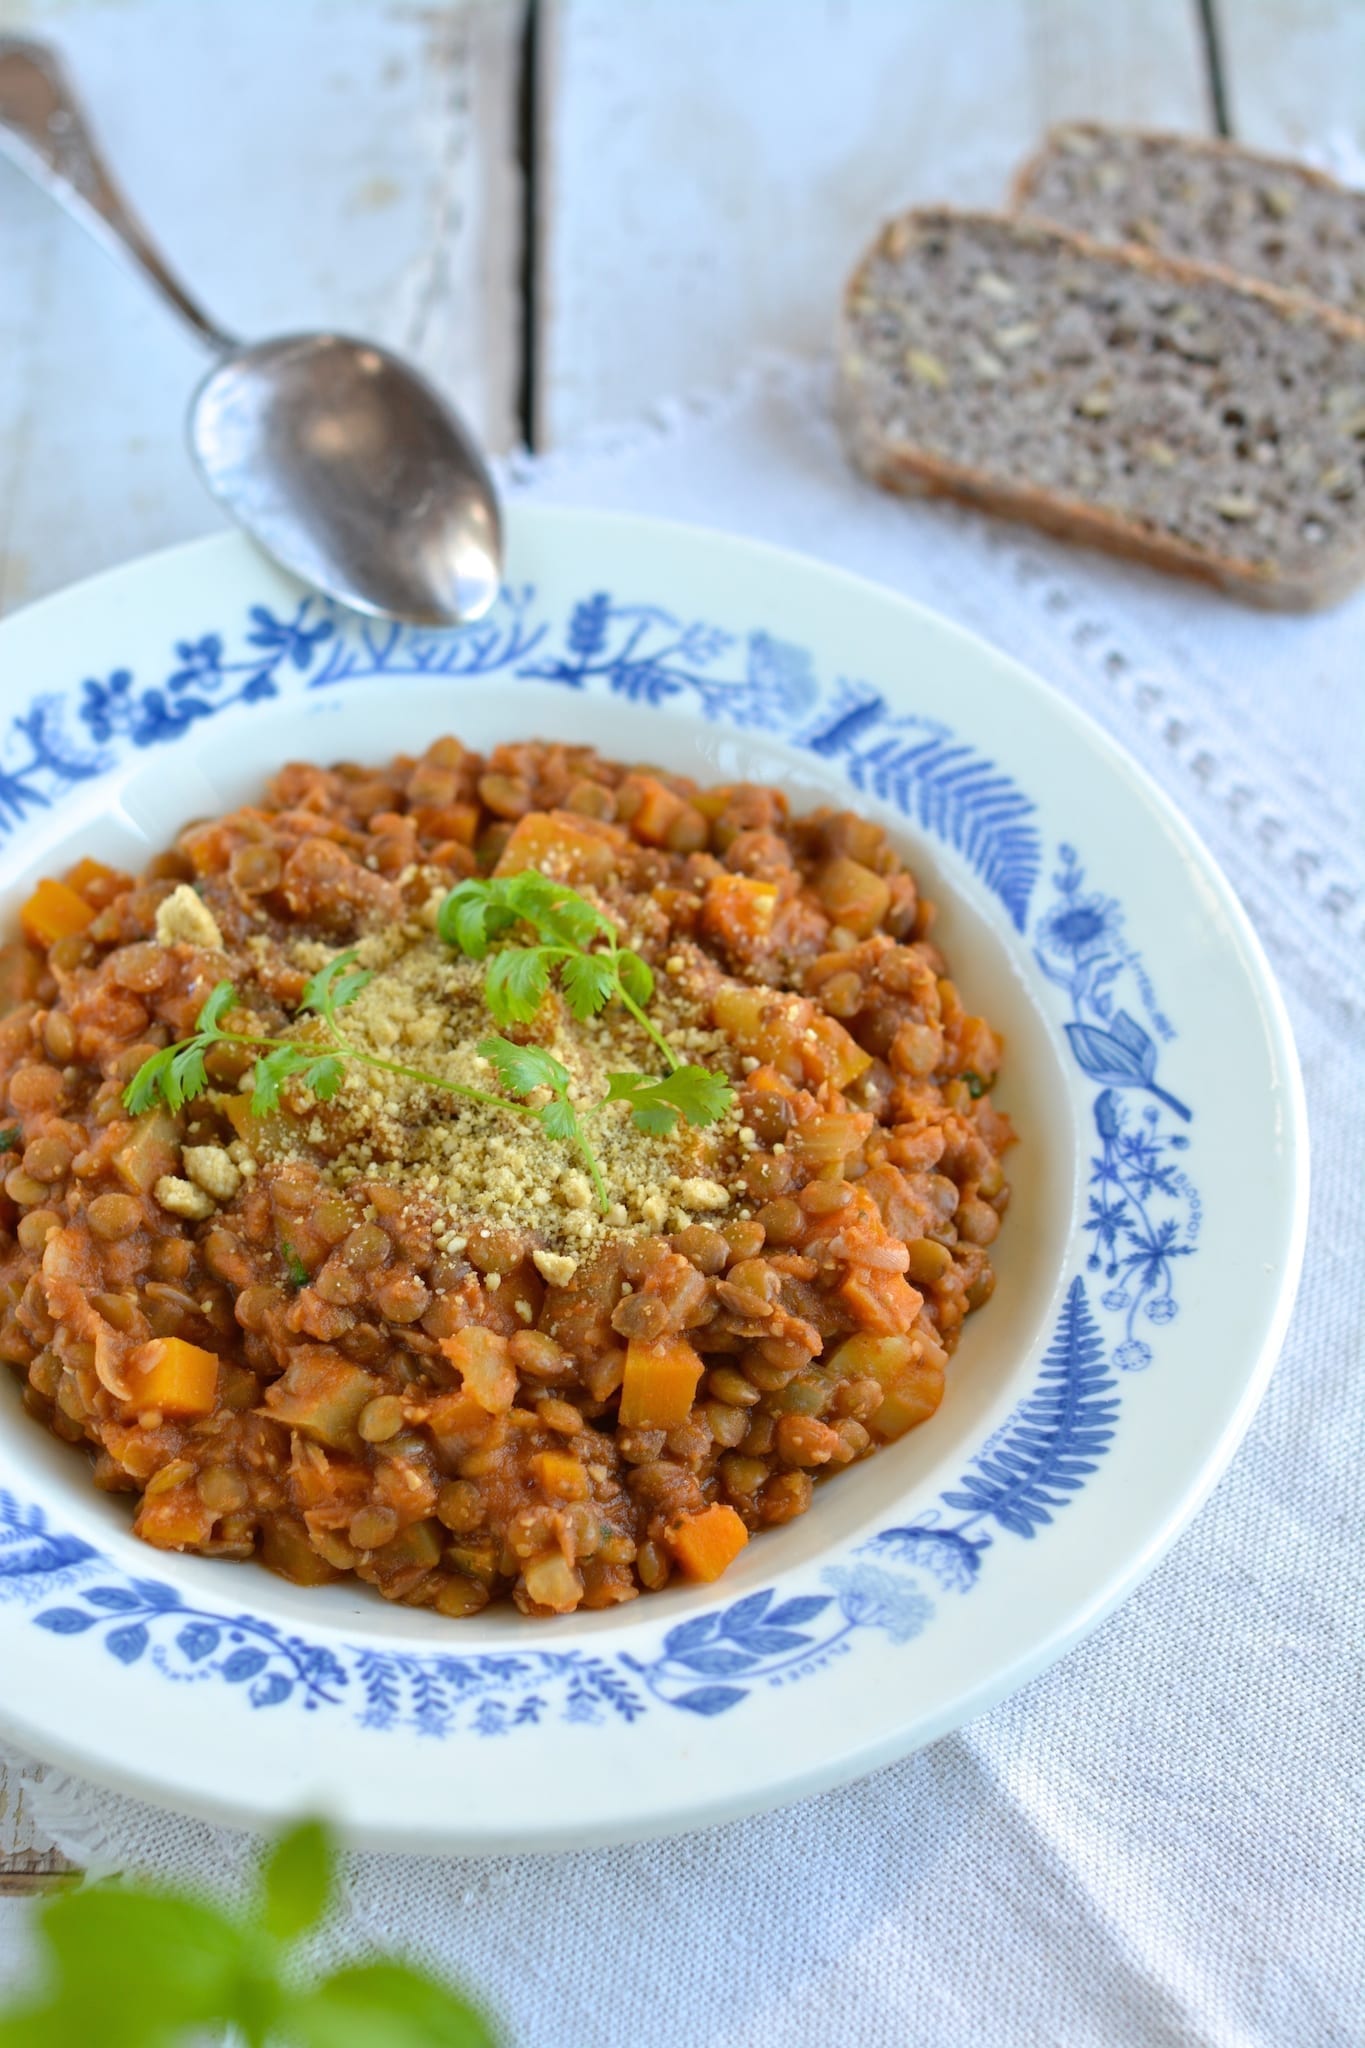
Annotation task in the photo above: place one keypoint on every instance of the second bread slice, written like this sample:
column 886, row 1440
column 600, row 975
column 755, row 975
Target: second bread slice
column 1150, row 407
column 1208, row 201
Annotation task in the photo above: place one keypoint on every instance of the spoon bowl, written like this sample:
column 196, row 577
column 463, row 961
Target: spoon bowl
column 349, row 469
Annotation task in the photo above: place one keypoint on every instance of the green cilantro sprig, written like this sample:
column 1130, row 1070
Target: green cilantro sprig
column 525, row 1069
column 569, row 930
column 178, row 1073
column 133, row 1966
column 577, row 947
column 696, row 1094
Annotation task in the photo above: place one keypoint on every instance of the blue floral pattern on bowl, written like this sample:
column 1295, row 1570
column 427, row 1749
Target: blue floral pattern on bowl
column 1143, row 1220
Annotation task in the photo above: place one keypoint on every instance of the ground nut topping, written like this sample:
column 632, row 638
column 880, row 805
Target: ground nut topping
column 183, row 920
column 425, row 1006
column 211, row 1168
column 352, row 1322
column 182, row 1198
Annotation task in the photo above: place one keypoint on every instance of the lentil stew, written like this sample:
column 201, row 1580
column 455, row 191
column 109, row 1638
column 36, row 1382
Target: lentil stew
column 392, row 1334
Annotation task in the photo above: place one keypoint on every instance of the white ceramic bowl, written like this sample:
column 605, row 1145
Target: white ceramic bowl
column 1144, row 1276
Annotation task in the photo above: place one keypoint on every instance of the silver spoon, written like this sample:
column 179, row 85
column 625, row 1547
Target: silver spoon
column 341, row 461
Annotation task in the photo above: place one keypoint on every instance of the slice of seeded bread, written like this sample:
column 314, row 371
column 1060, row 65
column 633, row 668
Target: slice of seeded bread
column 1150, row 407
column 1211, row 201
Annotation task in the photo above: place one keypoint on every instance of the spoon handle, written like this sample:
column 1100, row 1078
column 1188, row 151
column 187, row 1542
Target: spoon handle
column 44, row 132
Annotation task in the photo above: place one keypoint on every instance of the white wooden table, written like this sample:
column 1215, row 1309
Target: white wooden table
column 564, row 209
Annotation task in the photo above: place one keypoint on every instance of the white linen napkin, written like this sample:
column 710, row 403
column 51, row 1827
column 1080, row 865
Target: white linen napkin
column 1160, row 1841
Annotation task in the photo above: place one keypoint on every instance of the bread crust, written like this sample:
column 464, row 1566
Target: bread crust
column 912, row 471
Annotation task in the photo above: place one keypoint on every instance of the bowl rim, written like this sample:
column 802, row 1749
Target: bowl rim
column 546, row 525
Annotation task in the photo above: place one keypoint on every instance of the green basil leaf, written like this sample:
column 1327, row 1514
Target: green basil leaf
column 296, row 1881
column 159, row 1956
column 384, row 2005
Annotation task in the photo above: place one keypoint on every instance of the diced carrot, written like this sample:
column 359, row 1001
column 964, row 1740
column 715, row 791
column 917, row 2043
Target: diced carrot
column 660, row 1383
column 53, row 912
column 176, row 1377
column 175, row 1520
column 910, row 1398
column 561, row 1474
column 84, row 873
column 737, row 910
column 93, row 879
column 560, row 845
column 882, row 1302
column 711, row 802
column 321, row 1397
column 854, row 896
column 458, row 822
column 460, row 1424
column 148, row 1152
column 705, row 1544
column 481, row 1358
column 656, row 812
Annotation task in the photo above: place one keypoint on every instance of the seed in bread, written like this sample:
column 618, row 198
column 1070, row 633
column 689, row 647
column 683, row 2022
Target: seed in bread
column 1151, row 407
column 1209, row 201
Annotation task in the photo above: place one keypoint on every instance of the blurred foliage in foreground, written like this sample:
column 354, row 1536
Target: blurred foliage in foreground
column 132, row 1966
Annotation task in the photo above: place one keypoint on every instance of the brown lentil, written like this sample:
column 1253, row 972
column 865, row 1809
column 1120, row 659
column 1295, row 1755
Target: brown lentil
column 419, row 1375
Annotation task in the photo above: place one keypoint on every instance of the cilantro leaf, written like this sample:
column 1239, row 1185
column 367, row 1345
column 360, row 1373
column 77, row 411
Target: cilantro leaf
column 221, row 999
column 473, row 915
column 562, row 917
column 589, row 981
column 296, row 1881
column 516, row 982
column 695, row 1094
column 271, row 1071
column 478, row 911
column 637, row 978
column 334, row 986
column 148, row 1083
column 188, row 1077
column 10, row 1138
column 323, row 1075
column 976, row 1087
column 559, row 1119
column 524, row 1067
